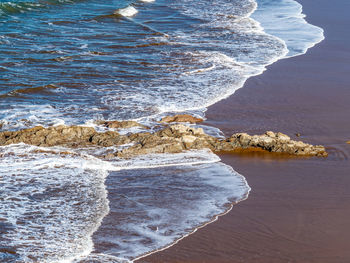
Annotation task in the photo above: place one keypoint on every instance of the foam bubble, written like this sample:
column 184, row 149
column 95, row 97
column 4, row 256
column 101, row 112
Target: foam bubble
column 127, row 11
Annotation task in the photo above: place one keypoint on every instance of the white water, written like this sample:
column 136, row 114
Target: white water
column 55, row 200
column 194, row 68
column 127, row 12
column 50, row 205
column 285, row 19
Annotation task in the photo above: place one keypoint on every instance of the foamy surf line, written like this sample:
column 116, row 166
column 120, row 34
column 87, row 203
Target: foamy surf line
column 42, row 224
column 165, row 214
column 215, row 218
column 298, row 35
column 110, row 258
column 29, row 165
column 210, row 72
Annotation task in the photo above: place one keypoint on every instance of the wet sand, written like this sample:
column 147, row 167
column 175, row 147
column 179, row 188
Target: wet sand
column 298, row 209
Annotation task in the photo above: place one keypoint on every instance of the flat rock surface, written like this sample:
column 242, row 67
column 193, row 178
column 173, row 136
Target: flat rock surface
column 181, row 118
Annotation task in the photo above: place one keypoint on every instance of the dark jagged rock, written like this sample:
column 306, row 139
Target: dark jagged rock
column 171, row 139
column 181, row 118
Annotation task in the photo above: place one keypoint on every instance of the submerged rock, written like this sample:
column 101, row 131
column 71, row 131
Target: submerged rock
column 181, row 118
column 171, row 139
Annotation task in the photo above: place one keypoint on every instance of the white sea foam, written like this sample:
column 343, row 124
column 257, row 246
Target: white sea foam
column 194, row 68
column 285, row 19
column 24, row 116
column 84, row 46
column 127, row 11
column 54, row 199
column 217, row 70
column 159, row 206
column 200, row 70
column 46, row 218
column 99, row 258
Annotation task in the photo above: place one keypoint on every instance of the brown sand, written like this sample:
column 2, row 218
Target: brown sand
column 299, row 209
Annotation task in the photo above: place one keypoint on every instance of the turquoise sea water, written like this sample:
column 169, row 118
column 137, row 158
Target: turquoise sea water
column 75, row 62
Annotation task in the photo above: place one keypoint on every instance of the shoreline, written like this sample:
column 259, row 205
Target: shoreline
column 214, row 219
column 252, row 161
column 297, row 209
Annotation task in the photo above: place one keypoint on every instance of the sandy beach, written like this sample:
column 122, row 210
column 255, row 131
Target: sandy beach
column 298, row 209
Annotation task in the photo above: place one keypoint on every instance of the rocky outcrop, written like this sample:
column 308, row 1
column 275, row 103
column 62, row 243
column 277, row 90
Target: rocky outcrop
column 120, row 124
column 276, row 142
column 177, row 138
column 181, row 118
column 171, row 139
column 70, row 136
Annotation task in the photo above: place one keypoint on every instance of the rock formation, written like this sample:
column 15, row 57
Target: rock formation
column 181, row 118
column 170, row 139
column 120, row 124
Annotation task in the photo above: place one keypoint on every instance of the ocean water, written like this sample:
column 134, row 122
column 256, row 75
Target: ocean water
column 78, row 61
